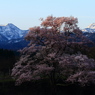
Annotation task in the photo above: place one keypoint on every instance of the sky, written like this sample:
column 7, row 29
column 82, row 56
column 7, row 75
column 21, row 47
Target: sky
column 26, row 13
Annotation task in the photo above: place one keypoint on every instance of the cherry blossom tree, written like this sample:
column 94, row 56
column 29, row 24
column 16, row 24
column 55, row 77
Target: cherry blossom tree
column 51, row 55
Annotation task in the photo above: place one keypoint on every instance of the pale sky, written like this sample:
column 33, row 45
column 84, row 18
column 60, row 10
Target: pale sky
column 26, row 13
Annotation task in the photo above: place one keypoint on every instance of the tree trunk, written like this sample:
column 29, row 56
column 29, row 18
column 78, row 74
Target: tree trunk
column 53, row 83
column 53, row 89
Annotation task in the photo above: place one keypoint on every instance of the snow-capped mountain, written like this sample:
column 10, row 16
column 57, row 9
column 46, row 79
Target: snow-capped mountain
column 11, row 37
column 90, row 28
column 89, row 32
column 10, row 32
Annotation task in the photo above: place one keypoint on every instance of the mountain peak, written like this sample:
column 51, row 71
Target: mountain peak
column 10, row 31
column 12, row 25
column 91, row 26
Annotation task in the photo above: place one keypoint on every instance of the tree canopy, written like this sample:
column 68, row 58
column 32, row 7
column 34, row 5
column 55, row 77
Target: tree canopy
column 52, row 53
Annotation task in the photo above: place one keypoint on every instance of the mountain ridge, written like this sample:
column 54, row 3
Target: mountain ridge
column 10, row 31
column 90, row 28
column 11, row 37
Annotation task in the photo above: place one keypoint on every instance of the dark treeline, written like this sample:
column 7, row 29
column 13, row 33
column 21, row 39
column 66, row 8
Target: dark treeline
column 7, row 60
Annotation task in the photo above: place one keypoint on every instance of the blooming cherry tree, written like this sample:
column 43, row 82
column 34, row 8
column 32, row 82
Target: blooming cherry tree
column 50, row 54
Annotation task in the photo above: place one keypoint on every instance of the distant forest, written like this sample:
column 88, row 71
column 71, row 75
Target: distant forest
column 7, row 60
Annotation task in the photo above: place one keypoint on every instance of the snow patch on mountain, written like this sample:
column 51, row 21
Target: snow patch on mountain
column 90, row 28
column 10, row 31
column 12, row 38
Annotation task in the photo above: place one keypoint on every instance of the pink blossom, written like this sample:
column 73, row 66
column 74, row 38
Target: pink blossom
column 51, row 55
